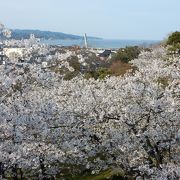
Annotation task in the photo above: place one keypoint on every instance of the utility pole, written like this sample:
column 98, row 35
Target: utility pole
column 85, row 41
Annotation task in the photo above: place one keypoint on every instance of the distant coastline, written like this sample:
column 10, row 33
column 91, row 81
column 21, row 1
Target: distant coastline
column 63, row 39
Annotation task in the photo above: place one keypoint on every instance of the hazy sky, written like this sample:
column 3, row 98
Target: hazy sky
column 113, row 19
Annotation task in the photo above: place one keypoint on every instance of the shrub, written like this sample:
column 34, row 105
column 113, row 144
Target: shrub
column 98, row 74
column 120, row 68
column 126, row 54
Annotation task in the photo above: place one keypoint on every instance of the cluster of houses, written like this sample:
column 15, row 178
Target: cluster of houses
column 50, row 57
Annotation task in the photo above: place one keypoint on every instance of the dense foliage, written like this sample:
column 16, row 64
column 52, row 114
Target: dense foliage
column 174, row 38
column 126, row 54
column 128, row 126
column 174, row 42
column 4, row 32
column 100, row 73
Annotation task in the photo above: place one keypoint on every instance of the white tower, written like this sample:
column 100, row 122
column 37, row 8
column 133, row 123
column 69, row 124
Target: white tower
column 85, row 41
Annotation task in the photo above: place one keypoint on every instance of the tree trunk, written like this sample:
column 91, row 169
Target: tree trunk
column 2, row 175
column 43, row 170
column 15, row 172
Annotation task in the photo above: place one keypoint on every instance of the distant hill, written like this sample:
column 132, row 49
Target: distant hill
column 19, row 34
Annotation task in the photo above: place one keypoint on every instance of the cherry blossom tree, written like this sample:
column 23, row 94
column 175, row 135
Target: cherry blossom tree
column 4, row 31
column 128, row 124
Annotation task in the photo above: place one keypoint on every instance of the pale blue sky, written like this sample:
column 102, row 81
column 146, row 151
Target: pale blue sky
column 112, row 19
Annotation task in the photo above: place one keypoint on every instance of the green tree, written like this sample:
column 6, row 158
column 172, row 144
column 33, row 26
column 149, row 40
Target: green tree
column 174, row 42
column 126, row 54
column 174, row 38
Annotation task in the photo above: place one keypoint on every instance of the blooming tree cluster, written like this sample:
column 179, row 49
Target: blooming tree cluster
column 128, row 123
column 4, row 31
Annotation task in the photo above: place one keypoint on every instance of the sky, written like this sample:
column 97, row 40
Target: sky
column 109, row 19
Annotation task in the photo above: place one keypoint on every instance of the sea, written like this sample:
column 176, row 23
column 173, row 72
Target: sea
column 102, row 43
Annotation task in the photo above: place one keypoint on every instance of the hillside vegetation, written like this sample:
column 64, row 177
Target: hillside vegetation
column 174, row 42
column 19, row 34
